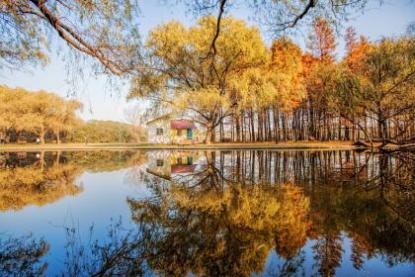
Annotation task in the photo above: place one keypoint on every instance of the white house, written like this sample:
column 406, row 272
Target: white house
column 167, row 129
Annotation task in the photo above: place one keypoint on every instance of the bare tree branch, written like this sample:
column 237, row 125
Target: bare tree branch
column 218, row 22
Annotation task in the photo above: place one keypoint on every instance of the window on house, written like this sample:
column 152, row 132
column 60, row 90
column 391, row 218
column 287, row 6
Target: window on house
column 179, row 132
column 160, row 162
column 189, row 133
column 159, row 131
column 179, row 161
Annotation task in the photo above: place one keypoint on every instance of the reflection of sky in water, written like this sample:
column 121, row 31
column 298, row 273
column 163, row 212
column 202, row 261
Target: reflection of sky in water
column 104, row 198
column 372, row 267
column 104, row 201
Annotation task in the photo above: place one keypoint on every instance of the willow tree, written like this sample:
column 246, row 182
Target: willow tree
column 104, row 30
column 374, row 85
column 186, row 72
column 36, row 112
column 280, row 15
column 345, row 93
column 65, row 118
column 340, row 93
column 252, row 92
column 40, row 113
column 11, row 111
column 107, row 30
column 388, row 84
column 264, row 93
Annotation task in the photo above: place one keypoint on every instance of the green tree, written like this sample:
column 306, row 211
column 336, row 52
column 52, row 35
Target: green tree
column 379, row 87
column 388, row 82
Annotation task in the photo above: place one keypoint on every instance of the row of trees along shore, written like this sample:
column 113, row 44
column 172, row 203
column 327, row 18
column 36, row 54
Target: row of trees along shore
column 241, row 90
column 27, row 116
column 224, row 76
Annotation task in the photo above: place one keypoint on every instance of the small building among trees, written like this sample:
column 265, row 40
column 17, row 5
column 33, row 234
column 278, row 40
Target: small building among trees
column 169, row 130
column 167, row 164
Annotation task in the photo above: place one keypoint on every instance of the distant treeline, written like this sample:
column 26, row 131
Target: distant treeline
column 107, row 131
column 27, row 117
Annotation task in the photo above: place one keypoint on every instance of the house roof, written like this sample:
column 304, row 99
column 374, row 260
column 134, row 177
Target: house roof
column 182, row 124
column 176, row 169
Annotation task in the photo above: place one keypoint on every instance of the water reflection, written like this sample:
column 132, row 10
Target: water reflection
column 45, row 177
column 224, row 218
column 221, row 231
column 21, row 256
column 238, row 213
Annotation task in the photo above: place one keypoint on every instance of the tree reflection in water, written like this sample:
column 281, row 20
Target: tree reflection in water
column 221, row 232
column 35, row 180
column 22, row 256
column 44, row 177
column 120, row 254
column 39, row 178
column 225, row 218
column 227, row 214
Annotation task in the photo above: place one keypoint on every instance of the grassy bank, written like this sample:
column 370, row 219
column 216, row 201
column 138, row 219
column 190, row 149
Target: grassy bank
column 99, row 146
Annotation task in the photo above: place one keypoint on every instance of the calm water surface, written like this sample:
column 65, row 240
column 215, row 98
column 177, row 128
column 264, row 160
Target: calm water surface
column 209, row 213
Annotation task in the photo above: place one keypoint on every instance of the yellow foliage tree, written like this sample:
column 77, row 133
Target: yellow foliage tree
column 222, row 231
column 189, row 73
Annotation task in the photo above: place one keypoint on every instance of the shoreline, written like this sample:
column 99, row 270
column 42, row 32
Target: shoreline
column 215, row 146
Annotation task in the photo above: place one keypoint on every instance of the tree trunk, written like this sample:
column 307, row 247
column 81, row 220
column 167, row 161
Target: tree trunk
column 7, row 136
column 42, row 160
column 284, row 126
column 58, row 157
column 238, row 128
column 253, row 138
column 58, row 138
column 209, row 134
column 311, row 127
column 276, row 123
column 42, row 135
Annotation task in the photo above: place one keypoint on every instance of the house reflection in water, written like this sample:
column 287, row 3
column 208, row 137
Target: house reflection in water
column 167, row 164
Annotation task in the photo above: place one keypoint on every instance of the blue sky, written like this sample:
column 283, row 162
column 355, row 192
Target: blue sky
column 389, row 19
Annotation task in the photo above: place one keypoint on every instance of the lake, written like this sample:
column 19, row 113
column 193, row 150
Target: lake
column 209, row 213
